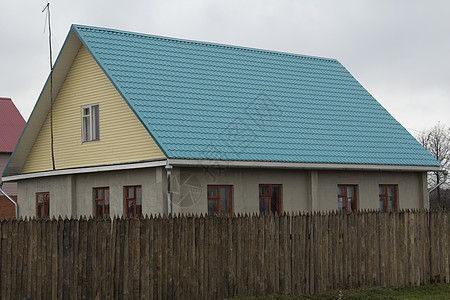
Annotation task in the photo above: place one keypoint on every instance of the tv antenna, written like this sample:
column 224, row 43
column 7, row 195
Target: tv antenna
column 47, row 18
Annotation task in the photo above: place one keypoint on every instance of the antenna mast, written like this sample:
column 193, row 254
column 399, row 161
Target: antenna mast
column 47, row 7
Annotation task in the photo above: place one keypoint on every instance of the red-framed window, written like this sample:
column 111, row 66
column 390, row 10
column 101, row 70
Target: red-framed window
column 270, row 198
column 133, row 201
column 220, row 200
column 347, row 198
column 388, row 194
column 43, row 205
column 101, row 202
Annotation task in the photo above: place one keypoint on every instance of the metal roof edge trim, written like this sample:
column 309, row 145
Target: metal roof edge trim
column 36, row 104
column 293, row 165
column 208, row 43
column 91, row 52
column 118, row 167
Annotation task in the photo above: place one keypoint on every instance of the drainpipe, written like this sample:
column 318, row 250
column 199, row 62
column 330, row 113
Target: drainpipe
column 440, row 183
column 16, row 207
column 169, row 188
column 437, row 185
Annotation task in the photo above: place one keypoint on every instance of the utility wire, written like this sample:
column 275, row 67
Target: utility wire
column 47, row 7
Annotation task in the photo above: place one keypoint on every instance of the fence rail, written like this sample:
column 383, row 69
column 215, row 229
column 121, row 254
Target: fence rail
column 219, row 257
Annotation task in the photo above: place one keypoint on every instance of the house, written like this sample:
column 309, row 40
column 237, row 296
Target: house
column 11, row 126
column 146, row 124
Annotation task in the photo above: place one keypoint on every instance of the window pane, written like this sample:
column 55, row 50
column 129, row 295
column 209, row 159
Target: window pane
column 47, row 209
column 98, row 208
column 212, row 192
column 264, row 190
column 350, row 190
column 130, row 208
column 382, row 190
column 95, row 123
column 98, row 193
column 263, row 205
column 139, row 195
column 106, row 194
column 224, row 200
column 382, row 201
column 86, row 129
column 390, row 203
column 341, row 201
column 130, row 192
column 274, row 200
column 212, row 207
column 138, row 210
column 138, row 201
column 341, row 190
column 390, row 191
column 39, row 198
column 39, row 210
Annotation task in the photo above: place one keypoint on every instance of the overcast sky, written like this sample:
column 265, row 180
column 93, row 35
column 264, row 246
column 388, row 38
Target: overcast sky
column 399, row 50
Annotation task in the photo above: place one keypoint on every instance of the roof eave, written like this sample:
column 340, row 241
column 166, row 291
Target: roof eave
column 299, row 165
column 84, row 170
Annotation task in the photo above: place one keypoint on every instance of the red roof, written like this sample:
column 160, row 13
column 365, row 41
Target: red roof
column 11, row 125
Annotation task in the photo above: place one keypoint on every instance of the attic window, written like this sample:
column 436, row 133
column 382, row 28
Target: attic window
column 89, row 123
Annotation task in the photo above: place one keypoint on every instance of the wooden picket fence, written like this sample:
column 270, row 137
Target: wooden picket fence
column 192, row 257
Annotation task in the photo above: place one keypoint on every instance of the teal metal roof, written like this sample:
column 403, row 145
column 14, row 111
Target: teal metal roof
column 209, row 101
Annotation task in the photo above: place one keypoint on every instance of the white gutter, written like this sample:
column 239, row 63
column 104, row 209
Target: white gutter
column 223, row 163
column 16, row 206
column 149, row 164
column 293, row 165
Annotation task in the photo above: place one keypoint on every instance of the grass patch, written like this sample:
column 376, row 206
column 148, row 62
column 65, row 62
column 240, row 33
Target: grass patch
column 430, row 291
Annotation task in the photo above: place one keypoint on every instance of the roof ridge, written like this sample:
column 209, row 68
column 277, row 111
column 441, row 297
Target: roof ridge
column 205, row 43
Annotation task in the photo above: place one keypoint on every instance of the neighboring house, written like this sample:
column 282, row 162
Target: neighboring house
column 11, row 126
column 232, row 129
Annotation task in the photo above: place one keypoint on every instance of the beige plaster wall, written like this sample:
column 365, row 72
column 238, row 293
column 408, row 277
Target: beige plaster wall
column 190, row 188
column 151, row 190
column 410, row 188
column 60, row 195
column 302, row 190
column 63, row 189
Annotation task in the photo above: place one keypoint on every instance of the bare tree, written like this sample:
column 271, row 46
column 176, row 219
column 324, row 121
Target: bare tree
column 437, row 142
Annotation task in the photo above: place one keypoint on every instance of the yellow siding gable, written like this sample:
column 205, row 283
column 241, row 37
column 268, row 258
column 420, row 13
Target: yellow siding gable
column 123, row 138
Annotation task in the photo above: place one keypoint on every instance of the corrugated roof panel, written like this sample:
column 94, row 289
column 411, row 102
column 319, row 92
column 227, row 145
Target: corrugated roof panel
column 11, row 125
column 209, row 101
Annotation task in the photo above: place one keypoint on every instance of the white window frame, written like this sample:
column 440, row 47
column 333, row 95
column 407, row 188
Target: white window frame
column 93, row 132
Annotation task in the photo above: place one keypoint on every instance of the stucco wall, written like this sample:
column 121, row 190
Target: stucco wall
column 410, row 188
column 190, row 188
column 302, row 190
column 80, row 187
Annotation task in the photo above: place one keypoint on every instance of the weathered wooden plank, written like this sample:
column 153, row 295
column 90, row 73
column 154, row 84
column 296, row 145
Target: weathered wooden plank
column 152, row 265
column 281, row 233
column 233, row 239
column 18, row 290
column 144, row 259
column 202, row 254
column 12, row 272
column 332, row 262
column 221, row 257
